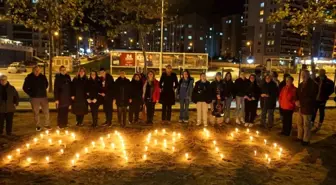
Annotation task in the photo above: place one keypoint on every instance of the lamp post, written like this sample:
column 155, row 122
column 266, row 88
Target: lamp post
column 90, row 43
column 250, row 46
column 161, row 44
column 54, row 48
column 78, row 39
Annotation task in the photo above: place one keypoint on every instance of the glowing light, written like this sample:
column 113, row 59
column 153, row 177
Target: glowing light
column 41, row 136
column 280, row 149
column 47, row 159
column 73, row 162
column 237, row 130
column 62, row 151
column 144, row 157
column 187, row 156
column 255, row 152
column 103, row 145
column 217, row 149
column 18, row 151
column 222, row 156
column 86, row 150
column 179, row 135
column 101, row 139
column 57, row 132
column 93, row 144
column 60, row 142
column 173, row 148
column 232, row 135
column 73, row 135
column 257, row 132
column 163, row 131
column 279, row 154
column 47, row 132
column 29, row 159
column 35, row 140
column 112, row 146
column 155, row 142
column 9, row 157
column 156, row 132
column 266, row 156
column 251, row 138
column 247, row 130
column 214, row 142
column 275, row 145
column 27, row 145
column 66, row 132
column 174, row 133
column 50, row 141
column 77, row 155
column 269, row 160
column 265, row 141
column 108, row 135
column 174, row 140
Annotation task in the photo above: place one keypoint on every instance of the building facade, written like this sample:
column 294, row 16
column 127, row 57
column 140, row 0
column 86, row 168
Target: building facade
column 232, row 36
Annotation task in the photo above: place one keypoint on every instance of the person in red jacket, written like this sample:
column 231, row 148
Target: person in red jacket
column 151, row 95
column 287, row 105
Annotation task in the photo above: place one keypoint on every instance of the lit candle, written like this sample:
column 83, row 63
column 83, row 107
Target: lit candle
column 66, row 132
column 187, row 156
column 93, row 144
column 86, row 150
column 35, row 140
column 163, row 131
column 174, row 133
column 27, row 145
column 73, row 135
column 41, row 136
column 47, row 159
column 77, row 155
column 232, row 135
column 265, row 141
column 174, row 140
column 101, row 139
column 62, row 151
column 251, row 138
column 57, row 132
column 156, row 131
column 257, row 132
column 29, row 159
column 146, row 148
column 126, row 158
column 179, row 135
column 222, row 156
column 9, row 157
column 255, row 152
column 144, row 157
column 173, row 148
column 247, row 130
column 47, row 132
column 279, row 153
column 266, row 156
column 280, row 149
column 269, row 160
column 73, row 162
column 123, row 146
column 148, row 140
column 112, row 146
column 237, row 130
column 124, row 152
column 217, row 149
column 18, row 151
column 155, row 142
column 108, row 136
column 60, row 142
column 103, row 145
column 50, row 141
column 275, row 145
column 214, row 142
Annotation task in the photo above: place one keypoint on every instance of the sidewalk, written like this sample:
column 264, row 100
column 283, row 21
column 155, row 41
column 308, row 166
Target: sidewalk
column 25, row 106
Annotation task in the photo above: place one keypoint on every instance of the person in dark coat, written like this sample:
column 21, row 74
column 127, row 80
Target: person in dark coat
column 36, row 85
column 325, row 89
column 123, row 97
column 269, row 95
column 136, row 99
column 107, row 95
column 79, row 105
column 240, row 92
column 151, row 95
column 202, row 97
column 251, row 100
column 93, row 89
column 62, row 96
column 229, row 95
column 217, row 94
column 305, row 99
column 9, row 100
column 168, row 84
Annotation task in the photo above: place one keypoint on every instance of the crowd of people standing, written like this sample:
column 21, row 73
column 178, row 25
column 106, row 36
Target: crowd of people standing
column 86, row 93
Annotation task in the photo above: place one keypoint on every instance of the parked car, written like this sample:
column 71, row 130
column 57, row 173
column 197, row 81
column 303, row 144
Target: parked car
column 16, row 67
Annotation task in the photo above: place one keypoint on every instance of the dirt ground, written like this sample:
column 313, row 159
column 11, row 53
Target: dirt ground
column 234, row 161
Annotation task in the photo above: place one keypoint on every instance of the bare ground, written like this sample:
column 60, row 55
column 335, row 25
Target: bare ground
column 315, row 164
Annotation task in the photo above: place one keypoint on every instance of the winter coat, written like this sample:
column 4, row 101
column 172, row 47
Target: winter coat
column 325, row 89
column 287, row 98
column 155, row 92
column 107, row 87
column 240, row 87
column 253, row 90
column 202, row 92
column 188, row 89
column 35, row 86
column 78, row 91
column 217, row 88
column 122, row 91
column 271, row 89
column 93, row 89
column 229, row 89
column 136, row 91
column 168, row 84
column 306, row 95
column 62, row 90
column 9, row 98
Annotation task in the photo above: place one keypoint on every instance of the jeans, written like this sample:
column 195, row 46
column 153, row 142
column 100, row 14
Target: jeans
column 8, row 117
column 269, row 113
column 150, row 106
column 240, row 107
column 122, row 114
column 134, row 110
column 319, row 105
column 227, row 104
column 250, row 110
column 166, row 112
column 62, row 116
column 202, row 112
column 304, row 127
column 108, row 110
column 184, row 109
column 287, row 119
column 94, row 112
column 36, row 103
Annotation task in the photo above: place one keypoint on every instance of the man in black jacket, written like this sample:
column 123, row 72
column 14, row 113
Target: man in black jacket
column 9, row 99
column 62, row 96
column 35, row 85
column 325, row 89
column 107, row 94
column 269, row 95
column 123, row 97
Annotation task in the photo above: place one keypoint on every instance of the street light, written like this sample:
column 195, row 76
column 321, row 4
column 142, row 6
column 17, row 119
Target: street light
column 250, row 46
column 161, row 44
column 90, row 42
column 78, row 39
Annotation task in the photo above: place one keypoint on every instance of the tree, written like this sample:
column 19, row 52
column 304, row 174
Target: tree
column 46, row 16
column 301, row 20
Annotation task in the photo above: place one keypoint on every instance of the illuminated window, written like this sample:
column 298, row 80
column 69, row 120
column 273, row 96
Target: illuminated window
column 165, row 38
column 268, row 42
column 189, row 37
column 262, row 4
column 261, row 12
column 190, row 26
column 261, row 20
column 34, row 1
column 210, row 29
column 260, row 35
column 201, row 38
